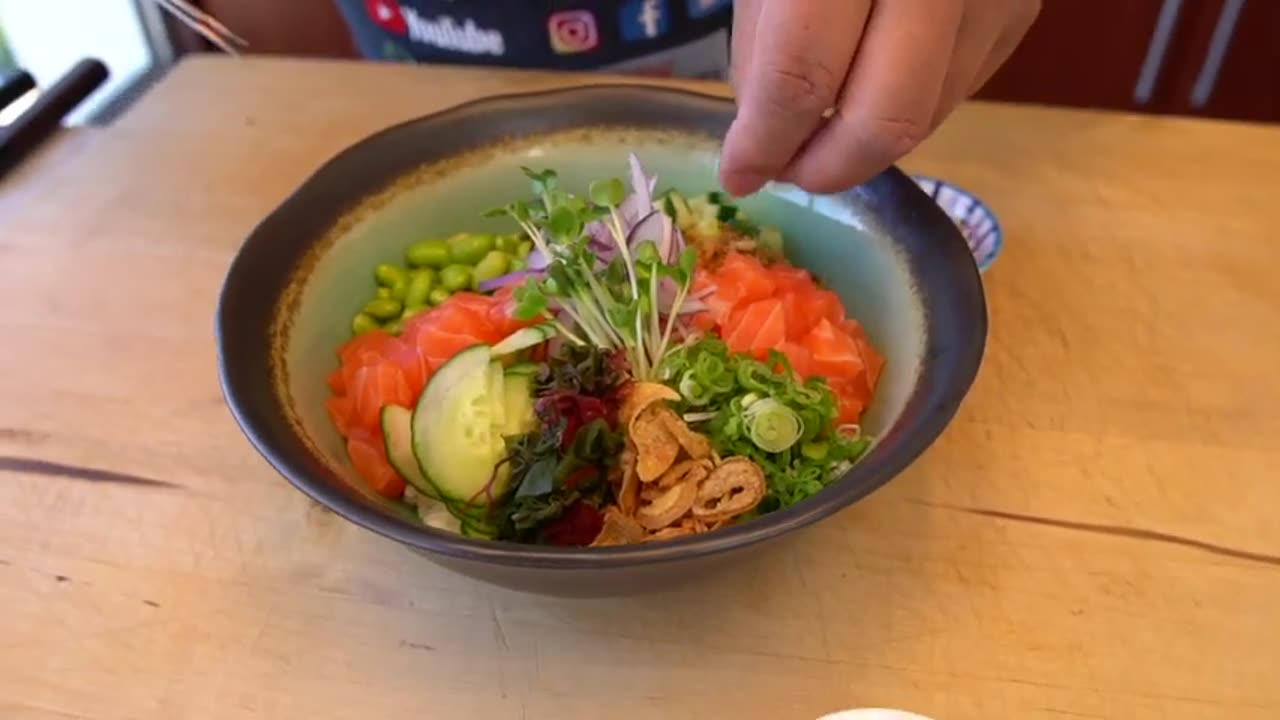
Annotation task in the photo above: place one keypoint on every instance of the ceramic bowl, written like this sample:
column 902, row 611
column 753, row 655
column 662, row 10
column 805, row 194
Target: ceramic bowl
column 890, row 253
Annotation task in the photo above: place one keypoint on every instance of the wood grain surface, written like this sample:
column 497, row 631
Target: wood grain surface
column 1093, row 537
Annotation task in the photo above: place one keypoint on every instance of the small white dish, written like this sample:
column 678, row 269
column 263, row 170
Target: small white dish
column 873, row 714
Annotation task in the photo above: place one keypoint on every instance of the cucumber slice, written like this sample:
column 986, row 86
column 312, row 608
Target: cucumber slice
column 524, row 338
column 479, row 531
column 436, row 515
column 523, row 368
column 518, row 398
column 497, row 399
column 453, row 434
column 397, row 433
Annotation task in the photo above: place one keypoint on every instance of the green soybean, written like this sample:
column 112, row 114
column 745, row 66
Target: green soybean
column 395, row 327
column 438, row 295
column 399, row 288
column 411, row 310
column 387, row 274
column 523, row 249
column 509, row 243
column 495, row 264
column 363, row 323
column 384, row 293
column 470, row 248
column 455, row 277
column 383, row 309
column 518, row 264
column 428, row 253
column 419, row 286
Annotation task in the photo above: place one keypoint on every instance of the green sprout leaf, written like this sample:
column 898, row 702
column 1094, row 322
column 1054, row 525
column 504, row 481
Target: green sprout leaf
column 607, row 193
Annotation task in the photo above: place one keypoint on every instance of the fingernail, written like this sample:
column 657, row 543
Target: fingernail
column 744, row 182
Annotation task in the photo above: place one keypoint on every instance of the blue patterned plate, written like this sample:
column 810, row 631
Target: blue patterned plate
column 977, row 222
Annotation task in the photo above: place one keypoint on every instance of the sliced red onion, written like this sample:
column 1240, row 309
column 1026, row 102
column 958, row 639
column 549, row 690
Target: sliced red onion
column 702, row 292
column 538, row 260
column 678, row 243
column 691, row 306
column 601, row 243
column 505, row 280
column 668, row 239
column 646, row 229
column 667, row 291
column 640, row 201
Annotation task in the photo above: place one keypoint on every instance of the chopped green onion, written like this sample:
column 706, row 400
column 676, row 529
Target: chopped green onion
column 772, row 426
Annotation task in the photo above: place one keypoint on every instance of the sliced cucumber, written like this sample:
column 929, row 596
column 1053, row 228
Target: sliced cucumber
column 436, row 515
column 523, row 368
column 524, row 338
column 518, row 398
column 479, row 530
column 474, row 514
column 453, row 434
column 397, row 432
column 497, row 399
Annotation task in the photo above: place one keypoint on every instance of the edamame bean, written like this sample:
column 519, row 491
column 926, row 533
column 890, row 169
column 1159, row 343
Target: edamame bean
column 362, row 324
column 411, row 310
column 420, row 284
column 384, row 293
column 395, row 327
column 518, row 265
column 455, row 277
column 428, row 253
column 438, row 295
column 509, row 243
column 387, row 274
column 399, row 288
column 469, row 248
column 383, row 309
column 495, row 264
column 523, row 249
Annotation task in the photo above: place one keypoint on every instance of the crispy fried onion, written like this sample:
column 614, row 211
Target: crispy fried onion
column 670, row 483
column 619, row 529
column 656, row 448
column 733, row 488
column 639, row 396
column 668, row 507
column 628, row 491
column 696, row 444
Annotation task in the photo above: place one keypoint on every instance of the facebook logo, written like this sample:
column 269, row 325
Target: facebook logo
column 699, row 9
column 645, row 19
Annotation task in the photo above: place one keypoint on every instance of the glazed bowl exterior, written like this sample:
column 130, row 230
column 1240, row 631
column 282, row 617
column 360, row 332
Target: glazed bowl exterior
column 892, row 255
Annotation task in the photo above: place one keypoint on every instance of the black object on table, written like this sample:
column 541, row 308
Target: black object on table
column 45, row 116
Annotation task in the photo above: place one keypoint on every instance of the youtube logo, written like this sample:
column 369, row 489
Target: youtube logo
column 387, row 13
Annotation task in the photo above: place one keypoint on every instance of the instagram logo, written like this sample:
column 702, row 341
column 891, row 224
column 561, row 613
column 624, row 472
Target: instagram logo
column 573, row 31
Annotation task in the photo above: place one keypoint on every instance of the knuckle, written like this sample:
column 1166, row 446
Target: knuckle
column 800, row 86
column 888, row 138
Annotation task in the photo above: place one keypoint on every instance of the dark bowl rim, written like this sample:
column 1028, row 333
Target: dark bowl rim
column 837, row 496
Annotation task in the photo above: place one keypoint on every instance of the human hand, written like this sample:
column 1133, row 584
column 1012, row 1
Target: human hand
column 831, row 92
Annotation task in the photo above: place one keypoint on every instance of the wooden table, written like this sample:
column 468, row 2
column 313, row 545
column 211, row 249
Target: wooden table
column 1093, row 537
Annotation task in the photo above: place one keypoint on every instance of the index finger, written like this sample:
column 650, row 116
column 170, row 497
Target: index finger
column 801, row 54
